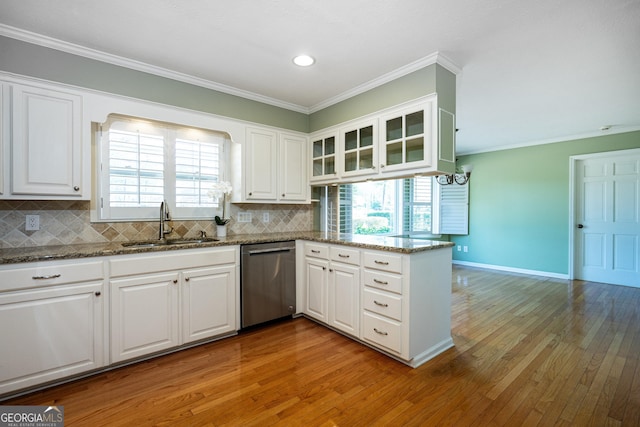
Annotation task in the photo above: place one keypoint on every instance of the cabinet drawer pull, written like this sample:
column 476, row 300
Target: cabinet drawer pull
column 380, row 332
column 52, row 276
column 381, row 304
column 381, row 262
column 382, row 282
column 313, row 251
column 343, row 256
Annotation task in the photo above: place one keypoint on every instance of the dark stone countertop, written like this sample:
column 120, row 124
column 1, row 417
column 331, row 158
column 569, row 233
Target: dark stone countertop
column 385, row 243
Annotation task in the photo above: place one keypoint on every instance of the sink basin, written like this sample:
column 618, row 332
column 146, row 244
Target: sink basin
column 170, row 242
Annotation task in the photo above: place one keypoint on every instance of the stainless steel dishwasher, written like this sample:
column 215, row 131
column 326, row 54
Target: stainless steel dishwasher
column 268, row 282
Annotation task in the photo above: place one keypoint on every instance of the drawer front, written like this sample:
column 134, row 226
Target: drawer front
column 49, row 273
column 125, row 265
column 386, row 282
column 317, row 251
column 345, row 255
column 388, row 305
column 383, row 332
column 383, row 261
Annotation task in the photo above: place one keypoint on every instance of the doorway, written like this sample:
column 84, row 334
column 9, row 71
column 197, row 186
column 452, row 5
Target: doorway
column 605, row 223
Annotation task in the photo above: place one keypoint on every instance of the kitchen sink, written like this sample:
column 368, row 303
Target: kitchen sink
column 169, row 242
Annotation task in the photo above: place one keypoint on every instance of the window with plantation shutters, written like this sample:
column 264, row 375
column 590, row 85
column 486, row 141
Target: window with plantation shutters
column 417, row 206
column 452, row 215
column 426, row 208
column 143, row 163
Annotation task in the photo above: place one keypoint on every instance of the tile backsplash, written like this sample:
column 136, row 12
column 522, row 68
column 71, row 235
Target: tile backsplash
column 68, row 222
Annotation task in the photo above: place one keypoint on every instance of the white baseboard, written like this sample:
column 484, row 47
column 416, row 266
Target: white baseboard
column 513, row 270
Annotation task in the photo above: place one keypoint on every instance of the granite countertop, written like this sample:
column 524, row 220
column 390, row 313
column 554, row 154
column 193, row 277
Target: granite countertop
column 385, row 243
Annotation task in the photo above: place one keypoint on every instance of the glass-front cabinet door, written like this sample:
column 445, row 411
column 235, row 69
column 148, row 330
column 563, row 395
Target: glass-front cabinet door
column 359, row 148
column 323, row 159
column 407, row 138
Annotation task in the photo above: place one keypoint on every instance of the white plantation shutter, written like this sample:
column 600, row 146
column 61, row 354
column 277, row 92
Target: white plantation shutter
column 144, row 163
column 452, row 215
column 416, row 216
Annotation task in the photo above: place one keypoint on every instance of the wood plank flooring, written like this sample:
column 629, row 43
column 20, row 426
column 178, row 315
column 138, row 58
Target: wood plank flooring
column 529, row 351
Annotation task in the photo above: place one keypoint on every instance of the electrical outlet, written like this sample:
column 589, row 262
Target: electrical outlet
column 32, row 223
column 465, row 249
column 244, row 217
column 459, row 248
column 265, row 216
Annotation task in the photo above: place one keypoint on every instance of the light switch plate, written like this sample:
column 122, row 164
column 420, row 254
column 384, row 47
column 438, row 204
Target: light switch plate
column 244, row 217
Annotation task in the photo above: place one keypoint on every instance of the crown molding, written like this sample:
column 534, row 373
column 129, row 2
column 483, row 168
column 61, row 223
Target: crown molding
column 74, row 49
column 566, row 138
column 38, row 39
column 434, row 58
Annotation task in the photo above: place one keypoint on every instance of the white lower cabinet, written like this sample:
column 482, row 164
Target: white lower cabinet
column 208, row 302
column 333, row 286
column 52, row 317
column 397, row 303
column 161, row 301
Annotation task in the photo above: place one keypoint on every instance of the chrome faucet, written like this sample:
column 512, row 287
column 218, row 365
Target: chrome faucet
column 164, row 216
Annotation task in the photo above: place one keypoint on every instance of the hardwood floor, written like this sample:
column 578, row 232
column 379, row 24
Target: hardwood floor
column 528, row 351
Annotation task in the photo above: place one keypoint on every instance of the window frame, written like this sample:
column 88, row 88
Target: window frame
column 171, row 132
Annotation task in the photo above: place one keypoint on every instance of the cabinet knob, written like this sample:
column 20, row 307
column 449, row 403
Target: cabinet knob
column 381, row 166
column 98, row 293
column 76, row 188
column 324, row 268
column 331, row 270
column 186, row 279
column 251, row 194
column 282, row 194
column 175, row 281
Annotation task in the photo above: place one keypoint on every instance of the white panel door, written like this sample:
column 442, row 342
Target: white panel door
column 607, row 233
column 317, row 288
column 294, row 182
column 344, row 311
column 208, row 302
column 261, row 163
column 144, row 315
column 49, row 333
column 46, row 137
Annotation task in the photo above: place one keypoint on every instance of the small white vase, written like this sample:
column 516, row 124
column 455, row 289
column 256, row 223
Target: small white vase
column 221, row 230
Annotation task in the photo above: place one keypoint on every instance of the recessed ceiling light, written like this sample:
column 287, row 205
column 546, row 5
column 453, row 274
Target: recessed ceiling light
column 303, row 60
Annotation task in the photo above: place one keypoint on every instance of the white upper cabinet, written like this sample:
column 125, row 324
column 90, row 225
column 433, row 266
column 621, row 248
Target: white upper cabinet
column 416, row 138
column 45, row 139
column 359, row 148
column 407, row 138
column 323, row 157
column 275, row 167
column 293, row 179
column 261, row 157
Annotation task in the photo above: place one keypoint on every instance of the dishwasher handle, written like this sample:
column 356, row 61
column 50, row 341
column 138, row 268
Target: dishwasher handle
column 269, row 251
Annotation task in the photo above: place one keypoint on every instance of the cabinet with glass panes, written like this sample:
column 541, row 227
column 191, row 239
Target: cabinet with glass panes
column 407, row 138
column 323, row 157
column 359, row 145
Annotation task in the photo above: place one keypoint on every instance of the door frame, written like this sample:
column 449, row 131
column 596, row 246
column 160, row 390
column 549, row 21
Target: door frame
column 572, row 195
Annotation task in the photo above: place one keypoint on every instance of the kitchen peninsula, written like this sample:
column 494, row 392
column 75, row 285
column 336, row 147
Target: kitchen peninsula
column 392, row 294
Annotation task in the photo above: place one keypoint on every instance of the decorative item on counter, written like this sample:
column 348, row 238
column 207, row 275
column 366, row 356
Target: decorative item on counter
column 220, row 190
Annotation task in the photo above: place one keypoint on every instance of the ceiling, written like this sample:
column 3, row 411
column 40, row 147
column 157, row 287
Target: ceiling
column 529, row 72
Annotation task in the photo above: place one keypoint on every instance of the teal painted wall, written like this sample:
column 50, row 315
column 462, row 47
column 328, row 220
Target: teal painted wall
column 519, row 203
column 36, row 61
